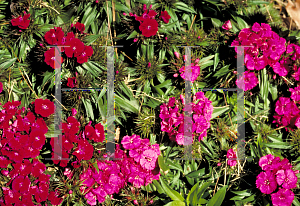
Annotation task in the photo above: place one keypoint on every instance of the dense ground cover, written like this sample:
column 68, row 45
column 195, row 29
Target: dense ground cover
column 154, row 133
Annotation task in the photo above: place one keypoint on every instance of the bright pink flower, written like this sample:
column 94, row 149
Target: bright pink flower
column 1, row 87
column 74, row 111
column 148, row 159
column 21, row 22
column 283, row 197
column 231, row 154
column 91, row 198
column 54, row 36
column 193, row 73
column 250, row 81
column 266, row 182
column 99, row 131
column 131, row 142
column 135, row 202
column 149, row 27
column 75, row 47
column 165, row 16
column 227, row 25
column 265, row 162
column 86, row 53
column 44, row 107
column 286, row 178
column 280, row 69
column 295, row 93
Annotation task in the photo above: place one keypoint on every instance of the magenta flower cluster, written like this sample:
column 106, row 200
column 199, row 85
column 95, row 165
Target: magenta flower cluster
column 287, row 112
column 139, row 167
column 173, row 118
column 277, row 174
column 267, row 49
column 194, row 69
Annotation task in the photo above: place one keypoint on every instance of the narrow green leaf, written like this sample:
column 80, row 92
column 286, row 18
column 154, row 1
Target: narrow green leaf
column 174, row 195
column 176, row 203
column 218, row 198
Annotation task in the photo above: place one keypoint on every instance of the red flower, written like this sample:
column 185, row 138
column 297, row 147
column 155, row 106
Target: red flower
column 50, row 58
column 99, row 130
column 149, row 27
column 37, row 139
column 84, row 150
column 44, row 107
column 54, row 199
column 165, row 16
column 1, row 87
column 86, row 53
column 21, row 22
column 54, row 36
column 80, row 27
column 21, row 184
column 75, row 46
column 71, row 82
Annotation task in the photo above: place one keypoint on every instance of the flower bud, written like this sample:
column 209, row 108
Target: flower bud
column 135, row 40
column 135, row 202
column 150, row 7
column 175, row 75
column 177, row 55
column 149, row 64
column 124, row 14
column 70, row 192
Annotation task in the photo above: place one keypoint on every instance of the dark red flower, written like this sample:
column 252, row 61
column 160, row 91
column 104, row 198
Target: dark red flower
column 54, row 36
column 37, row 139
column 21, row 22
column 44, row 107
column 21, row 184
column 1, row 87
column 80, row 27
column 50, row 58
column 86, row 53
column 165, row 16
column 99, row 130
column 84, row 150
column 75, row 46
column 54, row 199
column 149, row 27
column 71, row 82
column 62, row 163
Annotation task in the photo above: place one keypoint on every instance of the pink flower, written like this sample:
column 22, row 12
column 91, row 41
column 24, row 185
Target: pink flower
column 231, row 154
column 295, row 93
column 283, row 197
column 286, row 178
column 74, row 111
column 250, row 81
column 1, row 87
column 265, row 162
column 148, row 159
column 227, row 25
column 135, row 202
column 175, row 75
column 266, row 182
column 177, row 55
column 219, row 164
column 131, row 142
column 124, row 14
column 193, row 74
column 149, row 64
column 135, row 40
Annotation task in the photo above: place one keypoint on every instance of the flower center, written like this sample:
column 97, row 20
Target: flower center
column 45, row 107
column 21, row 19
column 267, row 182
column 53, row 58
column 83, row 54
column 286, row 179
column 53, row 35
column 74, row 48
column 149, row 27
column 37, row 138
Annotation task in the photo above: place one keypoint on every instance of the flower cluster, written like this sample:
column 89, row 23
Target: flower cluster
column 23, row 136
column 287, row 112
column 21, row 22
column 276, row 173
column 173, row 120
column 267, row 49
column 148, row 23
column 73, row 47
column 194, row 69
column 83, row 149
column 139, row 167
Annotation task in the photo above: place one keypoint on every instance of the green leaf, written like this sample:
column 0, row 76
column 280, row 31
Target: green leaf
column 176, row 203
column 158, row 186
column 200, row 192
column 174, row 195
column 162, row 164
column 132, row 35
column 192, row 193
column 219, row 111
column 296, row 202
column 7, row 63
column 218, row 198
column 241, row 23
column 216, row 22
column 197, row 173
column 184, row 7
column 283, row 145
